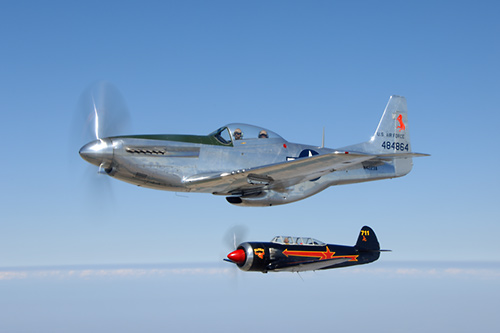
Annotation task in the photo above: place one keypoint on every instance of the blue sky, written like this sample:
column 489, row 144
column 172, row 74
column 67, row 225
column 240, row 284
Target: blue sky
column 293, row 67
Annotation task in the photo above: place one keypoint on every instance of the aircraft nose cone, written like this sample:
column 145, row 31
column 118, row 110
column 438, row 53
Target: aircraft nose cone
column 237, row 256
column 98, row 152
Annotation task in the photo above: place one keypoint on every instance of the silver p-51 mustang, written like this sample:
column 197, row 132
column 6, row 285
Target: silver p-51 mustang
column 253, row 166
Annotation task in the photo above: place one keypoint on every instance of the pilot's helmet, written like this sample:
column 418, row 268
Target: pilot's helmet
column 238, row 134
column 263, row 134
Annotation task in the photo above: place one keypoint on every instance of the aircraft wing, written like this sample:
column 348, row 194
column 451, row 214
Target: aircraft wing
column 276, row 176
column 308, row 265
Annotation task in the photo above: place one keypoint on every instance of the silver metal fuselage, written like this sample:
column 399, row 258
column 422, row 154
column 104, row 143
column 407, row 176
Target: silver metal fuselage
column 258, row 168
column 168, row 165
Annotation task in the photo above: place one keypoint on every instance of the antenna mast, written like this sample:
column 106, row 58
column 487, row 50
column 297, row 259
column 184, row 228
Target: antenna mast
column 323, row 140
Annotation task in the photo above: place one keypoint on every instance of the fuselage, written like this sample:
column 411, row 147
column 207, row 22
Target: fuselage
column 169, row 162
column 269, row 256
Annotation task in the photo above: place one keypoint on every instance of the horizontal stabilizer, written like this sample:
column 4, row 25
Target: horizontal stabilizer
column 401, row 155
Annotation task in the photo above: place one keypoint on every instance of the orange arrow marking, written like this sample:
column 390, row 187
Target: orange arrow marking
column 320, row 255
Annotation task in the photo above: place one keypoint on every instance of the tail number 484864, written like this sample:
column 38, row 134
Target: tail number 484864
column 394, row 146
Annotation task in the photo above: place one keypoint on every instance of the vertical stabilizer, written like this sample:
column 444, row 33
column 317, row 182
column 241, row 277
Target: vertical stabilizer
column 367, row 241
column 392, row 134
column 392, row 137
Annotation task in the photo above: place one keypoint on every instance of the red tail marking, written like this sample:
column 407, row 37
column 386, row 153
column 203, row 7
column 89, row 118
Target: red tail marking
column 401, row 126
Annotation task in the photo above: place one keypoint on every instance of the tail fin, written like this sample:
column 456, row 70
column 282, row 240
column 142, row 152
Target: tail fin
column 391, row 139
column 367, row 240
column 392, row 134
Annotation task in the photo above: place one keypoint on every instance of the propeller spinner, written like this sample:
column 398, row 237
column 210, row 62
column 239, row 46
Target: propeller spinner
column 99, row 153
column 237, row 256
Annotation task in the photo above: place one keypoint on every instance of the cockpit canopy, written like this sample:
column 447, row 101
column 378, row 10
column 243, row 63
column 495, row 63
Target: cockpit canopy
column 230, row 133
column 289, row 240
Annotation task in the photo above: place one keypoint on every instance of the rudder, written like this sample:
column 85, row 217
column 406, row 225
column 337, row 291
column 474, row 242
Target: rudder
column 391, row 138
column 367, row 240
column 392, row 134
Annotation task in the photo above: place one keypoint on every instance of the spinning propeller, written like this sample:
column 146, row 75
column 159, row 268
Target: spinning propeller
column 106, row 115
column 234, row 237
column 104, row 110
column 101, row 113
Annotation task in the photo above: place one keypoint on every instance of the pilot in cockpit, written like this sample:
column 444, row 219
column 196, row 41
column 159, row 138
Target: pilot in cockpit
column 237, row 134
column 263, row 135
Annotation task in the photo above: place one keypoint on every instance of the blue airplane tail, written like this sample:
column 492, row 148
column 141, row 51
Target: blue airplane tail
column 367, row 240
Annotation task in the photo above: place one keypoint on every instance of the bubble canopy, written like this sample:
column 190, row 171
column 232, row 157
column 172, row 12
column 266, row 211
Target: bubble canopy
column 230, row 132
column 296, row 240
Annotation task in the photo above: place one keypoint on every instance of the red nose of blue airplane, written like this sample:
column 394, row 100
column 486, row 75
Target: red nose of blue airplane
column 237, row 256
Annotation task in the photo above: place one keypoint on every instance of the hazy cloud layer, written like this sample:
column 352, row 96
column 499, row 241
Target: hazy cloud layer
column 391, row 270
